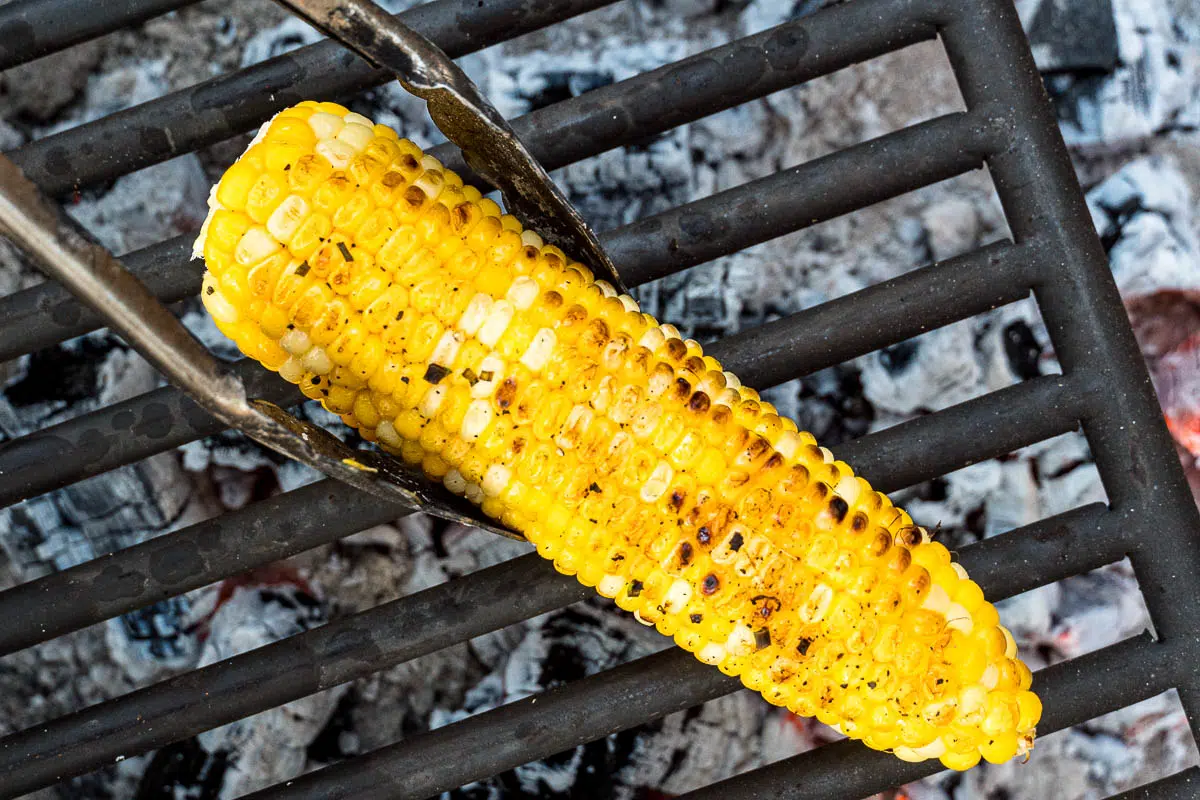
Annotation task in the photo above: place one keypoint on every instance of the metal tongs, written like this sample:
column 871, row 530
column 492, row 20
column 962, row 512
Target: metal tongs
column 490, row 147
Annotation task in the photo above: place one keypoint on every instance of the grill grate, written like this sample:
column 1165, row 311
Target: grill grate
column 1009, row 126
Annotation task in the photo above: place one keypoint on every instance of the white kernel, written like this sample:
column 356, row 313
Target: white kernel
column 474, row 493
column 318, row 361
column 325, row 125
column 959, row 570
column 217, row 304
column 430, row 183
column 358, row 119
column 972, row 699
column 728, row 397
column 292, row 370
column 726, row 551
column 787, row 444
column 670, row 332
column 677, row 597
column 432, row 401
column 476, row 420
column 523, row 291
column 475, row 314
column 539, row 350
column 959, row 619
column 495, row 480
column 455, row 482
column 827, row 454
column 295, row 341
column 937, row 600
column 1010, row 644
column 576, row 425
column 848, row 489
column 610, row 585
column 356, row 136
column 652, row 339
column 255, row 245
column 731, row 380
column 606, row 289
column 388, row 434
column 935, row 749
column 496, row 323
column 712, row 653
column 605, row 390
column 629, row 303
column 907, row 754
column 287, row 217
column 638, row 616
column 445, row 351
column 740, row 641
column 656, row 485
column 429, row 162
column 817, row 605
column 492, row 366
column 531, row 239
column 337, row 152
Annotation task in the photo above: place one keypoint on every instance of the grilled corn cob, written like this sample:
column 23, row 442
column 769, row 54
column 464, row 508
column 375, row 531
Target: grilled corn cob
column 354, row 265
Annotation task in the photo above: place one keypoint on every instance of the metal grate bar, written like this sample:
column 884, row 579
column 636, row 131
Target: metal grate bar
column 995, row 424
column 1074, row 692
column 85, row 740
column 32, row 464
column 659, row 245
column 283, row 671
column 46, row 314
column 813, row 192
column 118, row 434
column 1084, row 316
column 169, row 565
column 651, row 688
column 1180, row 786
column 31, row 29
column 225, row 106
column 889, row 312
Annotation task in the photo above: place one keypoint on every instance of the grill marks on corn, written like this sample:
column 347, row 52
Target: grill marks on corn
column 357, row 267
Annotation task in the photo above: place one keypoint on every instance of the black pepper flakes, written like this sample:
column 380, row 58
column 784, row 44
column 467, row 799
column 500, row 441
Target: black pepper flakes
column 435, row 372
column 595, row 487
column 470, row 375
column 803, row 645
column 486, row 375
column 303, row 269
column 704, row 535
column 710, row 584
column 685, row 554
column 345, row 251
column 736, row 542
column 635, row 588
column 762, row 638
column 404, row 379
column 695, row 618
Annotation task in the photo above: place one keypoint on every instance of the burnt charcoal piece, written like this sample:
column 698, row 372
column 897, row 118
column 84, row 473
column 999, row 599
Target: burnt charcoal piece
column 1022, row 350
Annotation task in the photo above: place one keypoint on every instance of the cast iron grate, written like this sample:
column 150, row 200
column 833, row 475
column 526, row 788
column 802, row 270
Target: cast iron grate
column 1054, row 254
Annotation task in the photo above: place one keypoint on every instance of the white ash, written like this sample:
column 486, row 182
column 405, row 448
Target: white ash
column 1145, row 215
column 1155, row 88
column 270, row 746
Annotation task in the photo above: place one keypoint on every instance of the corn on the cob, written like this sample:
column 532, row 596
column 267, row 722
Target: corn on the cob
column 342, row 257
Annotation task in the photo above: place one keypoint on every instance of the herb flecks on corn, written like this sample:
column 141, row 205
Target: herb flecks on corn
column 357, row 267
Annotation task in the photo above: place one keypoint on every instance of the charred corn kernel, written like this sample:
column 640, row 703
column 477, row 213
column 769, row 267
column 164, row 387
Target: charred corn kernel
column 356, row 266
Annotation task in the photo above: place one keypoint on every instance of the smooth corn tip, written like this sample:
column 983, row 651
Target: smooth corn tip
column 359, row 268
